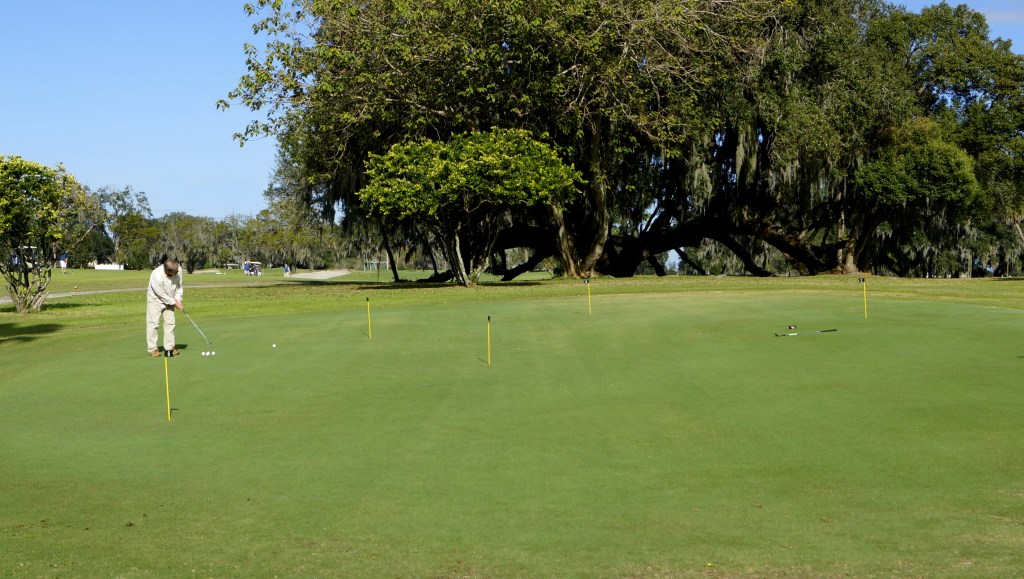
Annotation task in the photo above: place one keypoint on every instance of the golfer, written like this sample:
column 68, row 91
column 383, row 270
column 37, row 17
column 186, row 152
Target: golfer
column 163, row 295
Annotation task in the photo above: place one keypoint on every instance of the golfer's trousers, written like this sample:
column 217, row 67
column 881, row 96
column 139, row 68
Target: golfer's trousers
column 154, row 311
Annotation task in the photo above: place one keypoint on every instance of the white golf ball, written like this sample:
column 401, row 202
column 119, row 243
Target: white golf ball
column 213, row 353
column 204, row 353
column 273, row 345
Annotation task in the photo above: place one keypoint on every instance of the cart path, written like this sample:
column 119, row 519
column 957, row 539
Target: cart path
column 316, row 275
column 322, row 274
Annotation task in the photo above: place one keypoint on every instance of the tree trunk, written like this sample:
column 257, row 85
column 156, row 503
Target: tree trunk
column 456, row 263
column 850, row 258
column 744, row 255
column 532, row 262
column 686, row 259
column 387, row 250
column 433, row 260
column 659, row 269
column 485, row 255
column 564, row 243
column 599, row 202
column 429, row 247
column 27, row 285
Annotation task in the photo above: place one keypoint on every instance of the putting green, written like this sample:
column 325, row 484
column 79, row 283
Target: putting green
column 665, row 435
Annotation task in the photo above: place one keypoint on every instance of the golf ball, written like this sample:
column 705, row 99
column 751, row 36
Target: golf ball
column 213, row 353
column 273, row 345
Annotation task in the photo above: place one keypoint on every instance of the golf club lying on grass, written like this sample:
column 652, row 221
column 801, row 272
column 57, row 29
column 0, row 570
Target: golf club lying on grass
column 208, row 342
column 778, row 335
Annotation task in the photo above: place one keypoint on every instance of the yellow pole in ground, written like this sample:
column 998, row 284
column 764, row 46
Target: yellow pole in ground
column 488, row 341
column 167, row 387
column 590, row 311
column 865, row 284
column 369, row 322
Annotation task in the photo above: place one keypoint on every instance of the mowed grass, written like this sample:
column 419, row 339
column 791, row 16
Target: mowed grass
column 668, row 434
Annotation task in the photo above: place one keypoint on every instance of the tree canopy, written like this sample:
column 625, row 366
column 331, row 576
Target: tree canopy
column 842, row 135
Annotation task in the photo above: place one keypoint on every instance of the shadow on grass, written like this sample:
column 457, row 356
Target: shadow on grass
column 362, row 282
column 15, row 332
column 404, row 285
column 8, row 308
column 57, row 306
column 389, row 283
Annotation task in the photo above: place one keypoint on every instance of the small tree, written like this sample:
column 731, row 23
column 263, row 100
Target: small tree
column 34, row 204
column 462, row 191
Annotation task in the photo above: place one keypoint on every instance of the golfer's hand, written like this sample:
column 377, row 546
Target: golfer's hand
column 179, row 306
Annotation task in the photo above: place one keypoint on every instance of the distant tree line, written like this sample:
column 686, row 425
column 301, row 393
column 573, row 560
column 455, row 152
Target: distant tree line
column 45, row 214
column 773, row 137
column 125, row 232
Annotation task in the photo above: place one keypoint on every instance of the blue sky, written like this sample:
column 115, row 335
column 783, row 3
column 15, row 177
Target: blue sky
column 123, row 93
column 1005, row 17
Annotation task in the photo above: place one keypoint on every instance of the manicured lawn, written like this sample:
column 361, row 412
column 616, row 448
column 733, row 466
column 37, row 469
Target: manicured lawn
column 668, row 434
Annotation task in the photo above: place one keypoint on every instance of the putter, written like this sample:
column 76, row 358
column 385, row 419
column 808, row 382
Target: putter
column 208, row 342
column 798, row 333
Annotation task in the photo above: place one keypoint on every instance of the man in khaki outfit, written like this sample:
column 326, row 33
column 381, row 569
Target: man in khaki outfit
column 163, row 295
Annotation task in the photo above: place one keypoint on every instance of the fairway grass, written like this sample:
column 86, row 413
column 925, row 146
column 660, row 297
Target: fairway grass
column 668, row 434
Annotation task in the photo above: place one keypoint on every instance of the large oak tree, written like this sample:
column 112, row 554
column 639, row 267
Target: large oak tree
column 765, row 127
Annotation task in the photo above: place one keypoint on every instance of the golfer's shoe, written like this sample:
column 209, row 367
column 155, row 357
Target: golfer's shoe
column 175, row 352
column 155, row 352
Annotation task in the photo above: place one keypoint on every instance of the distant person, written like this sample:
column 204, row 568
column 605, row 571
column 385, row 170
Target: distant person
column 164, row 294
column 245, row 268
column 64, row 263
column 287, row 271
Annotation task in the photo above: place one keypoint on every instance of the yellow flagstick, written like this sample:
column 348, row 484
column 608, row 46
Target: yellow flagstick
column 369, row 322
column 167, row 386
column 488, row 341
column 865, row 283
column 590, row 311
